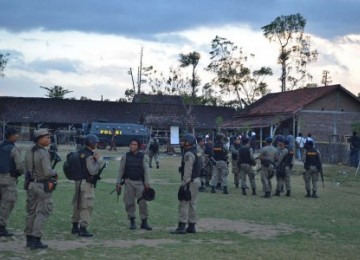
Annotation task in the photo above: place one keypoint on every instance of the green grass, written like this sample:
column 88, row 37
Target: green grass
column 324, row 228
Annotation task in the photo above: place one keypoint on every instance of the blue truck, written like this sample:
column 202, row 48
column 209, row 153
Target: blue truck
column 124, row 132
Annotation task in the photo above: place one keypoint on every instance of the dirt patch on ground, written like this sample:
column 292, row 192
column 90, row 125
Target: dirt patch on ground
column 245, row 228
column 249, row 229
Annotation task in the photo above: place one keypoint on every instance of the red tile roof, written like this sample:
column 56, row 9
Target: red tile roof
column 288, row 102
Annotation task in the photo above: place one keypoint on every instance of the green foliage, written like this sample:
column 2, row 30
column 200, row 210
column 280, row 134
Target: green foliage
column 355, row 127
column 295, row 52
column 56, row 92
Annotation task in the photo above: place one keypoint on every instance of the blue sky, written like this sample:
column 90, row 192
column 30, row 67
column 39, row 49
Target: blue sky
column 88, row 46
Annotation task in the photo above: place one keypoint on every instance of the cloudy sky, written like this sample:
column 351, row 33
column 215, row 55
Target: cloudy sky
column 88, row 46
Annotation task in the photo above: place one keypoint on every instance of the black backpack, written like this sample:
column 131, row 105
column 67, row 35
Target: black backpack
column 72, row 167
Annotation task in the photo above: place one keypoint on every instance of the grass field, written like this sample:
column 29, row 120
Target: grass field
column 229, row 227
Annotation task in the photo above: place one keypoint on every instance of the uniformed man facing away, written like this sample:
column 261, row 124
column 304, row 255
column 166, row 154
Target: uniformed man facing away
column 135, row 172
column 190, row 181
column 152, row 149
column 267, row 157
column 39, row 203
column 313, row 166
column 234, row 149
column 11, row 167
column 245, row 160
column 84, row 196
column 220, row 169
column 284, row 158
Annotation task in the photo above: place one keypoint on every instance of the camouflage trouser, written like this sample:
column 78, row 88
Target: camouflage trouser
column 265, row 180
column 245, row 170
column 39, row 205
column 155, row 156
column 133, row 192
column 311, row 175
column 83, row 203
column 236, row 172
column 220, row 170
column 187, row 209
column 8, row 197
column 281, row 181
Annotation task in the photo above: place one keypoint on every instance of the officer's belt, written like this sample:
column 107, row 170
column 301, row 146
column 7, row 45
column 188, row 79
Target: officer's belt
column 39, row 180
column 132, row 179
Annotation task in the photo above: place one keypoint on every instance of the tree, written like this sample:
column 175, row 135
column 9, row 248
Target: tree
column 186, row 60
column 3, row 61
column 295, row 52
column 326, row 79
column 232, row 75
column 56, row 92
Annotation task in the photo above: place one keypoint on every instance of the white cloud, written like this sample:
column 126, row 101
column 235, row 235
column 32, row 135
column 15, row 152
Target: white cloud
column 102, row 61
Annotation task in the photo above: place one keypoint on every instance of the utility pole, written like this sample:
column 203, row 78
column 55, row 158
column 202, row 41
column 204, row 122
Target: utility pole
column 140, row 71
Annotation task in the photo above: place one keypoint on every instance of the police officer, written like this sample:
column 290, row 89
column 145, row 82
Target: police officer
column 84, row 196
column 220, row 169
column 267, row 157
column 245, row 160
column 190, row 170
column 313, row 166
column 135, row 172
column 208, row 153
column 152, row 149
column 39, row 203
column 11, row 167
column 284, row 161
column 234, row 149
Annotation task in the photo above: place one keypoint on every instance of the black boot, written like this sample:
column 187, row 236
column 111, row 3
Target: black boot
column 29, row 241
column 191, row 228
column 277, row 193
column 145, row 225
column 225, row 191
column 243, row 191
column 254, row 191
column 266, row 195
column 84, row 233
column 213, row 189
column 314, row 195
column 37, row 244
column 218, row 186
column 4, row 232
column 307, row 194
column 288, row 193
column 75, row 228
column 132, row 224
column 180, row 229
column 157, row 166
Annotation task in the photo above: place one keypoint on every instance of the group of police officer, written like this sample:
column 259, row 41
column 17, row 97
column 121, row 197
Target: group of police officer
column 196, row 164
column 275, row 159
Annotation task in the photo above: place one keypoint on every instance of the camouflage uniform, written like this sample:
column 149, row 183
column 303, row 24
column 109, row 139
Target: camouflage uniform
column 267, row 157
column 234, row 149
column 281, row 155
column 39, row 203
column 153, row 154
column 134, row 188
column 84, row 196
column 8, row 192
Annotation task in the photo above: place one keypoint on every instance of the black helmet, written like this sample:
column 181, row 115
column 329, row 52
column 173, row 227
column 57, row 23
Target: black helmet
column 189, row 139
column 149, row 194
column 91, row 140
column 10, row 131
